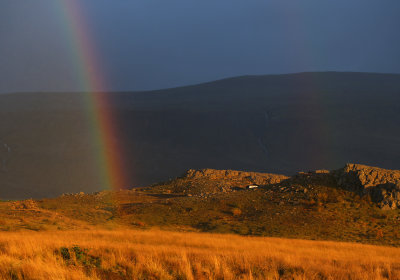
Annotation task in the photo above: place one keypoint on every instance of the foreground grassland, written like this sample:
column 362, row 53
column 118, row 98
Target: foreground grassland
column 137, row 254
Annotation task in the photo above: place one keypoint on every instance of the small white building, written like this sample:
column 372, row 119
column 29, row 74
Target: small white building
column 252, row 187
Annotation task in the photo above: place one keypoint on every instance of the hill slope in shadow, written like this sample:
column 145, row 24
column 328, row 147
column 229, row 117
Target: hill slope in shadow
column 275, row 123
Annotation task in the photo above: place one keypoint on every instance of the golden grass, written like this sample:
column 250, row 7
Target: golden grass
column 133, row 254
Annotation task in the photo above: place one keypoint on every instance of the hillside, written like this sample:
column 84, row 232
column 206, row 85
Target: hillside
column 145, row 255
column 276, row 123
column 356, row 203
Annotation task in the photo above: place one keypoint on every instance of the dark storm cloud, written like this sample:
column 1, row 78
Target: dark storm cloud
column 156, row 43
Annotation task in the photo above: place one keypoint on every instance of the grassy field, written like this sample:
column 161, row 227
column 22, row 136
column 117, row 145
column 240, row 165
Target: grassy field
column 183, row 229
column 155, row 254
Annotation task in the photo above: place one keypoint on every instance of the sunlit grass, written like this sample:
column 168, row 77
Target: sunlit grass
column 133, row 254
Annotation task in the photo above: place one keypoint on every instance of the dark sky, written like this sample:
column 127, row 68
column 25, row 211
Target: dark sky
column 149, row 44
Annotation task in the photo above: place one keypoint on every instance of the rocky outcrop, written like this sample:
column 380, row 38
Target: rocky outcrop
column 28, row 204
column 381, row 184
column 254, row 177
column 207, row 182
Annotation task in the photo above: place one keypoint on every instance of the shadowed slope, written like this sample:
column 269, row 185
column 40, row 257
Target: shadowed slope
column 277, row 123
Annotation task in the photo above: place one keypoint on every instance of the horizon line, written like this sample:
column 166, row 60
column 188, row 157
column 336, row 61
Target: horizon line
column 200, row 83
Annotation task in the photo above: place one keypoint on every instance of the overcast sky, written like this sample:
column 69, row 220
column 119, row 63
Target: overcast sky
column 150, row 44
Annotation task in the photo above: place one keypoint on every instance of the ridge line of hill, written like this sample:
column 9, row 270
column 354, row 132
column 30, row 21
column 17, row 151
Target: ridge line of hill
column 211, row 82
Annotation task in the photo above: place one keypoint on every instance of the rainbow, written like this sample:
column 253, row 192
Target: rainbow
column 96, row 100
column 103, row 123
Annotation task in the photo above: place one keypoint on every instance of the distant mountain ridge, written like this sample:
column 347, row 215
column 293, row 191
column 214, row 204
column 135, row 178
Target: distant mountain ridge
column 273, row 123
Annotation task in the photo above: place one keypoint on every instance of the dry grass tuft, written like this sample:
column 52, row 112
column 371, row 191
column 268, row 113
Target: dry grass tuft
column 134, row 254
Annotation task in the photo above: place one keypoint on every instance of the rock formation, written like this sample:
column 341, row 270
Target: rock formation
column 381, row 184
column 28, row 204
column 254, row 177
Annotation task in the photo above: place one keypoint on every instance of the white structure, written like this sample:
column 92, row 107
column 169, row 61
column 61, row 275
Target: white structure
column 252, row 187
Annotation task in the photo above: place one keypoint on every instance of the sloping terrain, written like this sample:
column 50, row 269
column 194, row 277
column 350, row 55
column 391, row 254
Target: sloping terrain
column 309, row 205
column 155, row 254
column 277, row 123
